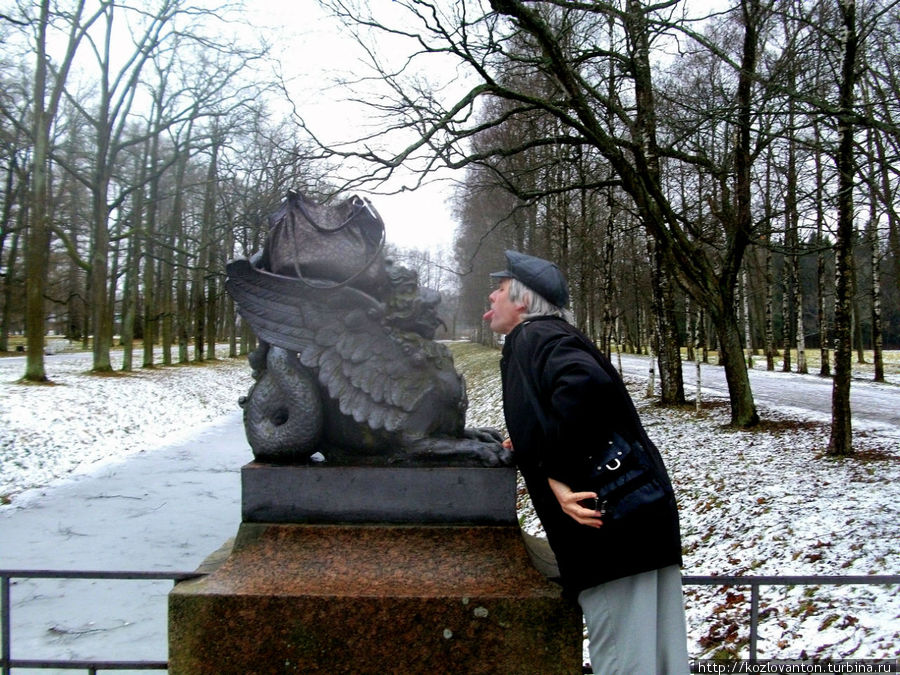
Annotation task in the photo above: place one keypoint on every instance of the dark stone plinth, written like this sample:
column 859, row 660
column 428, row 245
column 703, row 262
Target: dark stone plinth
column 365, row 494
column 305, row 598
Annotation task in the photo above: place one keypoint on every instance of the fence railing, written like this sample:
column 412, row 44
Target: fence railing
column 7, row 663
column 755, row 582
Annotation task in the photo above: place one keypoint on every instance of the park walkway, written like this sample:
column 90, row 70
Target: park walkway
column 161, row 510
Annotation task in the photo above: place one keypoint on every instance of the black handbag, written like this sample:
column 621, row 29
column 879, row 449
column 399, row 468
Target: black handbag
column 624, row 479
column 327, row 246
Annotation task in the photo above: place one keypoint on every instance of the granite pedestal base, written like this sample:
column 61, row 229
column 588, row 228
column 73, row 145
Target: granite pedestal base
column 368, row 597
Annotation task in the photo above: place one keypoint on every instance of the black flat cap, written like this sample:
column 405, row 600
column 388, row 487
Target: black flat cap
column 541, row 276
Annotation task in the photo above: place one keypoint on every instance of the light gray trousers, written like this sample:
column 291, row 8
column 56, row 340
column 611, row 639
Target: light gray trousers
column 636, row 625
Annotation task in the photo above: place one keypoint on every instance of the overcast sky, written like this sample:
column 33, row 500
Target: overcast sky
column 313, row 50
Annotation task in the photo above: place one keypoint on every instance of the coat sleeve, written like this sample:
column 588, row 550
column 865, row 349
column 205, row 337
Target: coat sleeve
column 582, row 404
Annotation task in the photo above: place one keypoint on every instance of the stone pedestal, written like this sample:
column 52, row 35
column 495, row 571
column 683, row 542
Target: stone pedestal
column 375, row 596
column 377, row 494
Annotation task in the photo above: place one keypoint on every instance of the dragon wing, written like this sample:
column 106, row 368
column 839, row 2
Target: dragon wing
column 388, row 381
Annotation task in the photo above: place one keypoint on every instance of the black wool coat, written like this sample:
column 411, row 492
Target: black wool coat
column 561, row 398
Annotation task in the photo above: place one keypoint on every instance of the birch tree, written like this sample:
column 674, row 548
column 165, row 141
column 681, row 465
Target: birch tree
column 841, row 440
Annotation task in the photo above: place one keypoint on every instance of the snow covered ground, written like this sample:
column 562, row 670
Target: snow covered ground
column 82, row 421
column 755, row 502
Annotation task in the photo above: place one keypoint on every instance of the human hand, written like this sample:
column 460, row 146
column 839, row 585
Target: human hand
column 568, row 501
column 507, row 444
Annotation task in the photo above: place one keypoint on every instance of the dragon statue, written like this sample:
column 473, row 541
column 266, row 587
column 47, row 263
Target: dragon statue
column 347, row 368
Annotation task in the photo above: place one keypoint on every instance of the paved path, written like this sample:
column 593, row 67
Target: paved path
column 161, row 510
column 871, row 402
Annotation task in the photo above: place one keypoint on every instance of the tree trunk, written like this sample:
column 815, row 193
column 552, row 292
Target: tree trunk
column 671, row 377
column 182, row 302
column 101, row 320
column 745, row 303
column 668, row 350
column 607, row 276
column 798, row 308
column 129, row 304
column 148, row 217
column 821, row 280
column 11, row 261
column 792, row 218
column 201, row 312
column 690, row 330
column 37, row 242
column 770, row 301
column 743, row 408
column 10, row 196
column 877, row 338
column 166, row 307
column 824, row 351
column 787, row 323
column 841, row 441
column 875, row 289
column 198, row 305
column 229, row 317
column 212, row 302
column 666, row 343
column 248, row 339
column 170, row 311
column 13, row 194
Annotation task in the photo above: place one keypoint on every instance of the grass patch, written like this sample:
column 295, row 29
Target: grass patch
column 874, row 455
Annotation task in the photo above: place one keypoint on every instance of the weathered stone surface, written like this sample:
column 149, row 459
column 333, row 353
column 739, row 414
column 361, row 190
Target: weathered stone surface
column 347, row 364
column 301, row 598
column 357, row 494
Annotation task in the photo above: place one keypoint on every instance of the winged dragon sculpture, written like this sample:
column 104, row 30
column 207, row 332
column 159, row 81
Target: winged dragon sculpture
column 347, row 366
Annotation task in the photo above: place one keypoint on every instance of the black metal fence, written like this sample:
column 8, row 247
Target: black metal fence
column 7, row 663
column 755, row 582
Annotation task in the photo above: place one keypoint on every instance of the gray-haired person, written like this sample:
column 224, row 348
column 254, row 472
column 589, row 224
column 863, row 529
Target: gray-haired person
column 560, row 397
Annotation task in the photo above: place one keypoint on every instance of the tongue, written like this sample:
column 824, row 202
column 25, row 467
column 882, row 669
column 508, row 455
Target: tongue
column 488, row 315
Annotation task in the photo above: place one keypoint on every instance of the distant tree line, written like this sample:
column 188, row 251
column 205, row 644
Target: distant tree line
column 614, row 293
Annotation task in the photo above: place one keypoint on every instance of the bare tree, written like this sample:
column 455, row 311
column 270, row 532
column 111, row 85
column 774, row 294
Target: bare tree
column 873, row 244
column 49, row 87
column 171, row 36
column 821, row 272
column 487, row 44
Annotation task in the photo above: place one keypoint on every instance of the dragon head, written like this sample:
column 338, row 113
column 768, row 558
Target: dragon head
column 411, row 308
